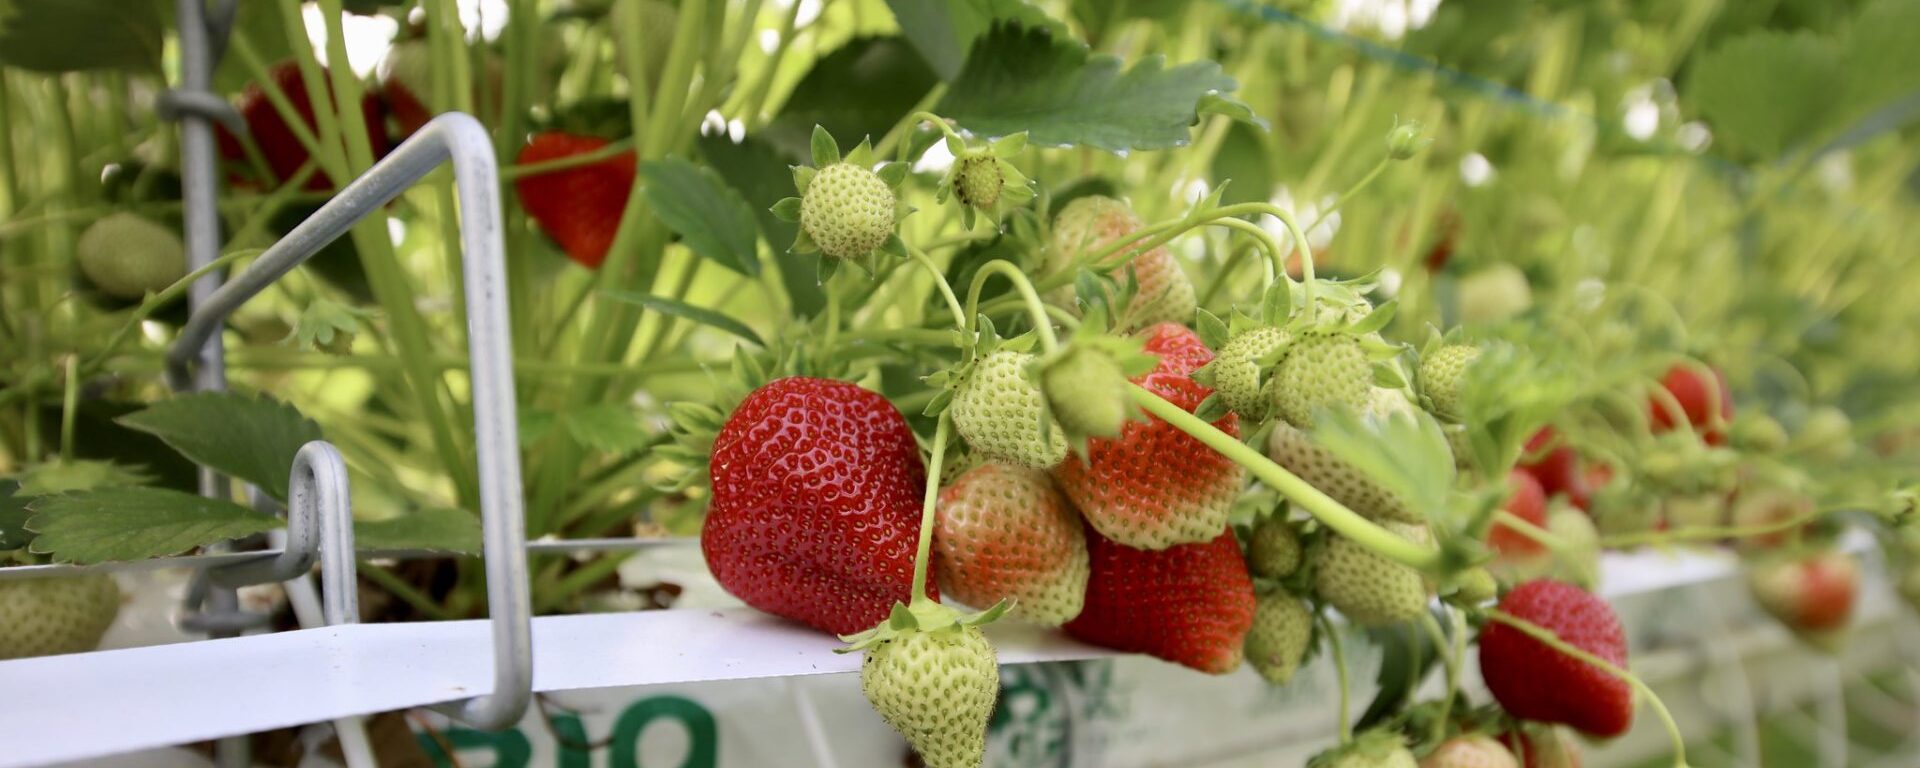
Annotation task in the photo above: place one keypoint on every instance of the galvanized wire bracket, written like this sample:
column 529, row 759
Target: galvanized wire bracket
column 460, row 139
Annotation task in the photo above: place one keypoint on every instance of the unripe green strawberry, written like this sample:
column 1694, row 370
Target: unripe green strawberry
column 1237, row 371
column 1579, row 563
column 1091, row 223
column 1005, row 532
column 1298, row 453
column 1277, row 642
column 998, row 409
column 1443, row 379
column 1373, row 749
column 1470, row 751
column 1368, row 588
column 1493, row 294
column 977, row 182
column 937, row 688
column 1826, row 434
column 1087, row 391
column 1321, row 370
column 847, row 210
column 44, row 617
column 1695, row 510
column 128, row 257
column 1273, row 551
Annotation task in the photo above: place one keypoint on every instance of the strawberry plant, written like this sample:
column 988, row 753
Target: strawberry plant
column 1216, row 335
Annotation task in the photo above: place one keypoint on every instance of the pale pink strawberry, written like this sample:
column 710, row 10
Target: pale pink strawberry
column 1005, row 533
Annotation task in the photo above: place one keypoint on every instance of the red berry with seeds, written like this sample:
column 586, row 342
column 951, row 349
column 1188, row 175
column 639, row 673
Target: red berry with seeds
column 1534, row 681
column 579, row 207
column 816, row 504
column 1191, row 604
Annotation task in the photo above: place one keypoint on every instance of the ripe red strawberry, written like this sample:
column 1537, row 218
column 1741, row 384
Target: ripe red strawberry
column 1006, row 532
column 1470, row 751
column 1532, row 681
column 1191, row 604
column 579, row 207
column 815, row 513
column 1813, row 596
column 283, row 151
column 1155, row 486
column 1557, row 468
column 1696, row 399
column 1528, row 501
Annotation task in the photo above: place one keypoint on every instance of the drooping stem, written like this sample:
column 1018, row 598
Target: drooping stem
column 1299, row 244
column 1450, row 663
column 1343, row 717
column 924, row 550
column 1551, row 640
column 940, row 281
column 1036, row 309
column 1351, row 192
column 1708, row 533
column 1331, row 513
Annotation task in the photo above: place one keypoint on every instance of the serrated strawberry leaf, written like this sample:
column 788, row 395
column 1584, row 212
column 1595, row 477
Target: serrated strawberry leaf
column 1059, row 93
column 710, row 217
column 252, row 439
column 944, row 31
column 13, row 517
column 1766, row 92
column 76, row 35
column 125, row 524
column 437, row 529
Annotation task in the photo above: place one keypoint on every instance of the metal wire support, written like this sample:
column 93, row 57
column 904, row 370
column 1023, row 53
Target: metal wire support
column 319, row 524
column 460, row 139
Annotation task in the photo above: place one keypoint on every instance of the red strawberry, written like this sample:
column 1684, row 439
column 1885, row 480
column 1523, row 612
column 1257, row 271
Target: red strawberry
column 1813, row 595
column 1154, row 486
column 815, row 513
column 579, row 207
column 1006, row 532
column 1533, row 681
column 283, row 151
column 1556, row 466
column 1696, row 399
column 1528, row 502
column 1191, row 604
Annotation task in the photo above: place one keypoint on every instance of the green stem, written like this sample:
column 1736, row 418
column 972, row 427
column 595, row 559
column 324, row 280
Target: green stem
column 607, row 152
column 923, row 552
column 940, row 281
column 69, row 409
column 1036, row 309
column 407, row 593
column 1351, row 191
column 1551, row 640
column 919, row 115
column 1342, row 716
column 1331, row 513
column 1450, row 663
column 1525, row 527
column 1707, row 533
column 1276, row 261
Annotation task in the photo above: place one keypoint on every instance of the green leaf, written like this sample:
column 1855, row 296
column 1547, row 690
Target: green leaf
column 1407, row 656
column 1882, row 62
column 759, row 172
column 685, row 311
column 13, row 516
column 329, row 326
column 124, row 524
column 860, row 89
column 75, row 35
column 265, row 29
column 711, row 217
column 78, row 475
column 1408, row 456
column 944, row 31
column 1212, row 331
column 252, row 439
column 1243, row 158
column 437, row 529
column 1061, row 95
column 610, row 428
column 1766, row 92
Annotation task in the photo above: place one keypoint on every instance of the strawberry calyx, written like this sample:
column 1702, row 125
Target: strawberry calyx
column 982, row 178
column 922, row 615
